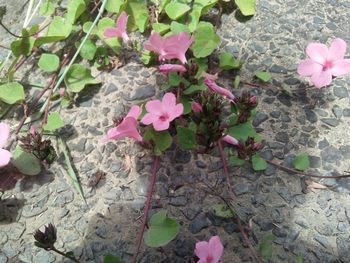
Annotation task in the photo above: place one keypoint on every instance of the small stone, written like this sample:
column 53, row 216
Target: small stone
column 231, row 228
column 303, row 139
column 198, row 223
column 3, row 237
column 270, row 170
column 301, row 221
column 259, row 199
column 285, row 118
column 201, row 164
column 342, row 227
column 178, row 200
column 285, row 99
column 343, row 245
column 80, row 146
column 340, row 92
column 127, row 194
column 191, row 213
column 3, row 258
column 275, row 145
column 9, row 250
column 264, row 223
column 141, row 185
column 345, row 150
column 301, row 119
column 278, row 69
column 292, row 236
column 330, row 121
column 240, row 189
column 282, row 137
column 102, row 231
column 259, row 118
column 212, row 167
column 310, row 115
column 322, row 240
column 280, row 232
column 143, row 92
column 275, row 114
column 324, row 229
column 184, row 247
column 337, row 111
column 346, row 112
column 111, row 88
column 315, row 161
column 321, row 113
column 277, row 215
column 323, row 144
column 16, row 231
column 267, row 155
column 292, row 81
column 284, row 192
column 331, row 155
column 182, row 156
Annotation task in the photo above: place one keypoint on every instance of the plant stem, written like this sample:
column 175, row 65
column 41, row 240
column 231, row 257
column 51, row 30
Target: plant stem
column 145, row 211
column 64, row 254
column 224, row 163
column 294, row 171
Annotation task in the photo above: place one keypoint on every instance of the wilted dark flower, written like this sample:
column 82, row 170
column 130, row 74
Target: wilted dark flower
column 243, row 106
column 46, row 239
column 247, row 149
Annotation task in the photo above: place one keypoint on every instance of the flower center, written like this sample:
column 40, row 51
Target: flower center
column 164, row 116
column 327, row 65
column 209, row 259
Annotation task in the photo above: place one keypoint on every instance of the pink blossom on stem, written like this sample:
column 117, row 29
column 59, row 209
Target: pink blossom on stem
column 210, row 76
column 127, row 128
column 174, row 46
column 324, row 62
column 166, row 68
column 229, row 139
column 5, row 156
column 217, row 89
column 209, row 252
column 120, row 29
column 196, row 107
column 161, row 113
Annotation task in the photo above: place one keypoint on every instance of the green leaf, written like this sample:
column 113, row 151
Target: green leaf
column 86, row 28
column 265, row 247
column 221, row 210
column 138, row 14
column 174, row 79
column 199, row 7
column 202, row 64
column 263, row 76
column 162, row 230
column 177, row 28
column 186, row 138
column 186, row 103
column 11, row 92
column 49, row 62
column 195, row 88
column 70, row 169
column 227, row 61
column 114, row 5
column 146, row 57
column 206, row 40
column 78, row 77
column 112, row 259
column 162, row 139
column 88, row 50
column 258, row 163
column 161, row 28
column 301, row 162
column 175, row 10
column 193, row 18
column 74, row 10
column 58, row 30
column 243, row 131
column 47, row 8
column 237, row 82
column 114, row 42
column 236, row 161
column 300, row 259
column 24, row 45
column 247, row 7
column 25, row 162
column 54, row 122
column 286, row 88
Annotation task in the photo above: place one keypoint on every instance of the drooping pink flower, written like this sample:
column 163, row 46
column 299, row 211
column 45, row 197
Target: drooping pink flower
column 229, row 139
column 216, row 88
column 161, row 113
column 324, row 62
column 174, row 46
column 209, row 252
column 210, row 76
column 120, row 29
column 166, row 68
column 127, row 128
column 5, row 156
column 196, row 107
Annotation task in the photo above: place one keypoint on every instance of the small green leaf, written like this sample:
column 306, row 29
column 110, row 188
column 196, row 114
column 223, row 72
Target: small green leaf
column 74, row 10
column 243, row 131
column 11, row 92
column 247, row 7
column 78, row 77
column 186, row 103
column 47, row 8
column 206, row 40
column 237, row 82
column 286, row 88
column 300, row 259
column 175, row 10
column 265, row 247
column 186, row 138
column 146, row 57
column 24, row 45
column 258, row 163
column 263, row 76
column 54, row 122
column 114, row 5
column 177, row 27
column 138, row 14
column 112, row 259
column 25, row 162
column 59, row 29
column 301, row 162
column 161, row 28
column 88, row 50
column 49, row 62
column 162, row 139
column 227, row 61
column 195, row 88
column 162, row 229
column 174, row 79
column 221, row 210
column 235, row 161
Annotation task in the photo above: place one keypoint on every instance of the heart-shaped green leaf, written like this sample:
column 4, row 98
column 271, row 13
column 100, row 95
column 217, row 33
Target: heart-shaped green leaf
column 78, row 77
column 11, row 92
column 206, row 40
column 301, row 162
column 227, row 61
column 186, row 138
column 247, row 7
column 175, row 10
column 25, row 162
column 258, row 163
column 49, row 62
column 263, row 75
column 112, row 259
column 54, row 122
column 162, row 230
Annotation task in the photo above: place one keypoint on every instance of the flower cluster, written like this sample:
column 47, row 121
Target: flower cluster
column 209, row 252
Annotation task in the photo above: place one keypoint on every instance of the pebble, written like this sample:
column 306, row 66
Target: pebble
column 178, row 200
column 141, row 185
column 331, row 155
column 282, row 137
column 322, row 240
column 310, row 115
column 340, row 92
column 111, row 88
column 141, row 93
column 346, row 112
column 301, row 221
column 240, row 189
column 199, row 223
column 259, row 118
column 330, row 121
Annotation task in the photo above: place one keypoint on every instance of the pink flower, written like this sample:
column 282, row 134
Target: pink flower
column 5, row 156
column 174, row 46
column 120, row 29
column 229, row 139
column 161, row 113
column 216, row 88
column 166, row 68
column 210, row 76
column 196, row 107
column 209, row 252
column 127, row 128
column 324, row 62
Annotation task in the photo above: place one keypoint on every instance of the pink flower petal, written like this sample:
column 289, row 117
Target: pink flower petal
column 308, row 67
column 216, row 248
column 5, row 157
column 160, row 125
column 166, row 68
column 149, row 118
column 196, row 107
column 341, row 67
column 229, row 139
column 216, row 88
column 4, row 133
column 337, row 49
column 155, row 43
column 127, row 128
column 317, row 52
column 111, row 32
column 322, row 79
column 202, row 249
column 154, row 107
column 176, row 111
column 168, row 101
column 134, row 112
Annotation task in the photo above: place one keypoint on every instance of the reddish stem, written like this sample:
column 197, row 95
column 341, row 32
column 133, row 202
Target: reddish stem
column 145, row 211
column 224, row 163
